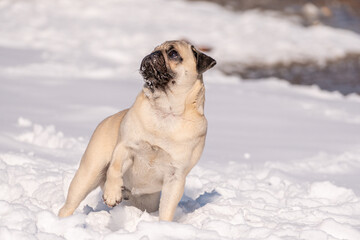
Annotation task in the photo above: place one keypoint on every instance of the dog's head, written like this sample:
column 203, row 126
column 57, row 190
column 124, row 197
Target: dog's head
column 172, row 64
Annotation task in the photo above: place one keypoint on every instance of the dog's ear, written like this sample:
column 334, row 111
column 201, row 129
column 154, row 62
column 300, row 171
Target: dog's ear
column 203, row 61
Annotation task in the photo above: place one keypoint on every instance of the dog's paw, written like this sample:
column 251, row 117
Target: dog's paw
column 112, row 194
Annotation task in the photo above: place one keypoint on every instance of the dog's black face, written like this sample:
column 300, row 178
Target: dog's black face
column 155, row 72
column 174, row 64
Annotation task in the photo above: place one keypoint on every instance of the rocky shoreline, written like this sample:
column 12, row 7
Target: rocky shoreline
column 335, row 13
column 342, row 75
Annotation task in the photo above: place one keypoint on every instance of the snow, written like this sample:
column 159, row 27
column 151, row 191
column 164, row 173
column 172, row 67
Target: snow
column 45, row 136
column 280, row 162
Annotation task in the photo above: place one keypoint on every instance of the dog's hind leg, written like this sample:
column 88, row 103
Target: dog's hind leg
column 94, row 163
column 86, row 179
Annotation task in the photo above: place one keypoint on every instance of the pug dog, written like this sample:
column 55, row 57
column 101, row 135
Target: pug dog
column 151, row 147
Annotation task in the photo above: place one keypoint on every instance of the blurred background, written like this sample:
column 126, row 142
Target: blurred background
column 303, row 42
column 335, row 13
column 342, row 74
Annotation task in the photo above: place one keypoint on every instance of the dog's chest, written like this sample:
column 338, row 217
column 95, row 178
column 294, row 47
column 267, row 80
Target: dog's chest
column 150, row 164
column 159, row 146
column 175, row 130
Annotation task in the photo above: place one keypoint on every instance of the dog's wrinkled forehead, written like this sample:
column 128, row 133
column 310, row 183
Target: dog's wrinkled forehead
column 171, row 49
column 178, row 45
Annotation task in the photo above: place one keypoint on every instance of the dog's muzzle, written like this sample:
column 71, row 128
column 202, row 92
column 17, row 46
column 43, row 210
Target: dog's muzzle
column 154, row 71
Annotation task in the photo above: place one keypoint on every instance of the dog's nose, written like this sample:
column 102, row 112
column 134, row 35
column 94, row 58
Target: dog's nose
column 156, row 54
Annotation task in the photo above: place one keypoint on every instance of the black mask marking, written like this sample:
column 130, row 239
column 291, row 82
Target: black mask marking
column 154, row 71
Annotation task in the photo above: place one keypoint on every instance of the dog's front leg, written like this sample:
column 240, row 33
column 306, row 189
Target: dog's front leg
column 172, row 191
column 114, row 176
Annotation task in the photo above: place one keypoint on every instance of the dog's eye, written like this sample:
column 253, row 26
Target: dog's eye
column 173, row 54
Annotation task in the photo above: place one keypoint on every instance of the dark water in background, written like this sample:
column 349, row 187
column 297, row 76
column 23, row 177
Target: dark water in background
column 342, row 75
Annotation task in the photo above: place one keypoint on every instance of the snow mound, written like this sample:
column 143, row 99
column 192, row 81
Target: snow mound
column 339, row 230
column 46, row 136
column 328, row 193
column 322, row 163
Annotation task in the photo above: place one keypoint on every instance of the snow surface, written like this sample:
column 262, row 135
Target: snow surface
column 280, row 162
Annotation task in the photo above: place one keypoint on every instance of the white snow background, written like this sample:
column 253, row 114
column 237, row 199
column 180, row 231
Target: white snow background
column 280, row 162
